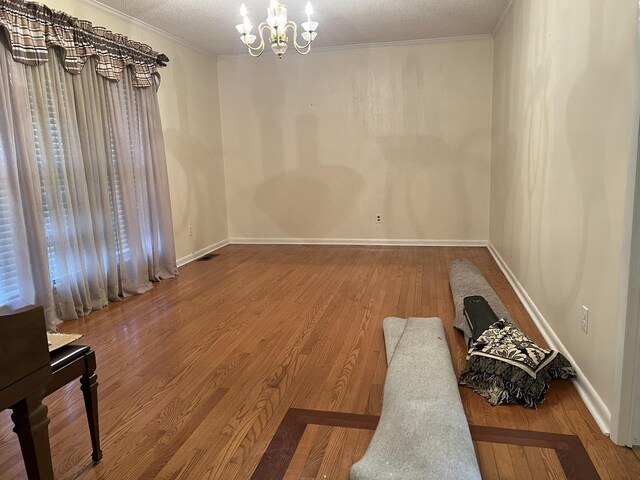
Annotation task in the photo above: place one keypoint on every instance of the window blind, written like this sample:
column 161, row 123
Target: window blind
column 52, row 174
column 117, row 208
column 54, row 184
column 9, row 287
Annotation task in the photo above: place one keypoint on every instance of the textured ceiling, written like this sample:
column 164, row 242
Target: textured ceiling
column 210, row 24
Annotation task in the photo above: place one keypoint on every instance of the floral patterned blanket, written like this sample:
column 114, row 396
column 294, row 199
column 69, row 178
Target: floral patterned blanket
column 505, row 366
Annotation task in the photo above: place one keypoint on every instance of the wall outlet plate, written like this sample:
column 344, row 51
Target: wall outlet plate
column 585, row 319
column 379, row 218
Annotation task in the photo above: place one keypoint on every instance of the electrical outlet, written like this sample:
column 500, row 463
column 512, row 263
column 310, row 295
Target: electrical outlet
column 378, row 218
column 585, row 319
column 190, row 231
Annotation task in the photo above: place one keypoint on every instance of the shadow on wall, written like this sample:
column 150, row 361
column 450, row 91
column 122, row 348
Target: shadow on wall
column 590, row 114
column 429, row 169
column 305, row 202
column 538, row 201
column 527, row 216
column 423, row 172
column 268, row 107
column 194, row 158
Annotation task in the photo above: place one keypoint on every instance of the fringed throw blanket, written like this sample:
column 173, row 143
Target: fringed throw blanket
column 505, row 366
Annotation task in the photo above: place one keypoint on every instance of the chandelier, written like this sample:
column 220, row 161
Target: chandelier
column 277, row 24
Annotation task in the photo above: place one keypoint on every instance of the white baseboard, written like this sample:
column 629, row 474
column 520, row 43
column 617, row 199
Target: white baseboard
column 592, row 400
column 211, row 248
column 358, row 241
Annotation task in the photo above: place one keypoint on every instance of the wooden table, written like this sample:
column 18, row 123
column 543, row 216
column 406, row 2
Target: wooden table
column 25, row 371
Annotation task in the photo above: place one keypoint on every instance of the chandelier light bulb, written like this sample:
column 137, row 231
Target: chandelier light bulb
column 308, row 9
column 243, row 10
column 247, row 25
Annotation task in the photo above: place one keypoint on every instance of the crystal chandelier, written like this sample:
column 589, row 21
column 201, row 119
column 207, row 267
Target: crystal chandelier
column 277, row 24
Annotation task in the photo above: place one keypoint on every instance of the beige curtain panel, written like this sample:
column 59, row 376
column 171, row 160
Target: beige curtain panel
column 32, row 29
column 24, row 268
column 85, row 215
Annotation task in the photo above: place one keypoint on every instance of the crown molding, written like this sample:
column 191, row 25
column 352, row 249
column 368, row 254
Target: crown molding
column 503, row 17
column 139, row 23
column 400, row 43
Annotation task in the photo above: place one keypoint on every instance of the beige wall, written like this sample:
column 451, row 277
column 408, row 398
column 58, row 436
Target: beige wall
column 189, row 107
column 562, row 141
column 316, row 146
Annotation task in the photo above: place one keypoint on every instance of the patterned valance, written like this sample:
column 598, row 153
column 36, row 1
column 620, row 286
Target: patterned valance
column 33, row 28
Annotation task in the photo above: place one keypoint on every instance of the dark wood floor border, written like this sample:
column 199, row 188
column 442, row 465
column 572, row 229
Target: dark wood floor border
column 571, row 453
column 277, row 457
column 573, row 457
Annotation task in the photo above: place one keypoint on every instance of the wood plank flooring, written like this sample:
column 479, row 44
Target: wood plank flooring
column 197, row 375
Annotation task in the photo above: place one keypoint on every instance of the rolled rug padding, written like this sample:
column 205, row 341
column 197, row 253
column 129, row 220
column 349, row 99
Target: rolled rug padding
column 423, row 432
column 466, row 281
column 393, row 328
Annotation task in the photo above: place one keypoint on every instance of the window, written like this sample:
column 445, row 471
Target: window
column 9, row 287
column 67, row 221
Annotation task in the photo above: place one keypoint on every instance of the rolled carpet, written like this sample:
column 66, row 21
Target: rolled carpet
column 466, row 281
column 423, row 431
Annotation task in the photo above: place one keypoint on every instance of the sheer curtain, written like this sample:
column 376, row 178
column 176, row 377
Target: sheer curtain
column 85, row 216
column 138, row 146
column 96, row 189
column 24, row 278
column 104, row 186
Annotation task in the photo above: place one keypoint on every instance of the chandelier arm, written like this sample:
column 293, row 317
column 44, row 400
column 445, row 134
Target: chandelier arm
column 259, row 50
column 301, row 49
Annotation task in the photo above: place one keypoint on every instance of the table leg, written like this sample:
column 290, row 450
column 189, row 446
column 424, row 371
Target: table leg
column 32, row 427
column 89, row 386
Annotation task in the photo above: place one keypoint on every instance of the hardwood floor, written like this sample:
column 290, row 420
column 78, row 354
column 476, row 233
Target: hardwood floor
column 571, row 458
column 197, row 375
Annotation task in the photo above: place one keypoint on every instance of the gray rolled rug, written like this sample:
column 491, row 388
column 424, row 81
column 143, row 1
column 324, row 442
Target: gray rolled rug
column 423, row 432
column 466, row 280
